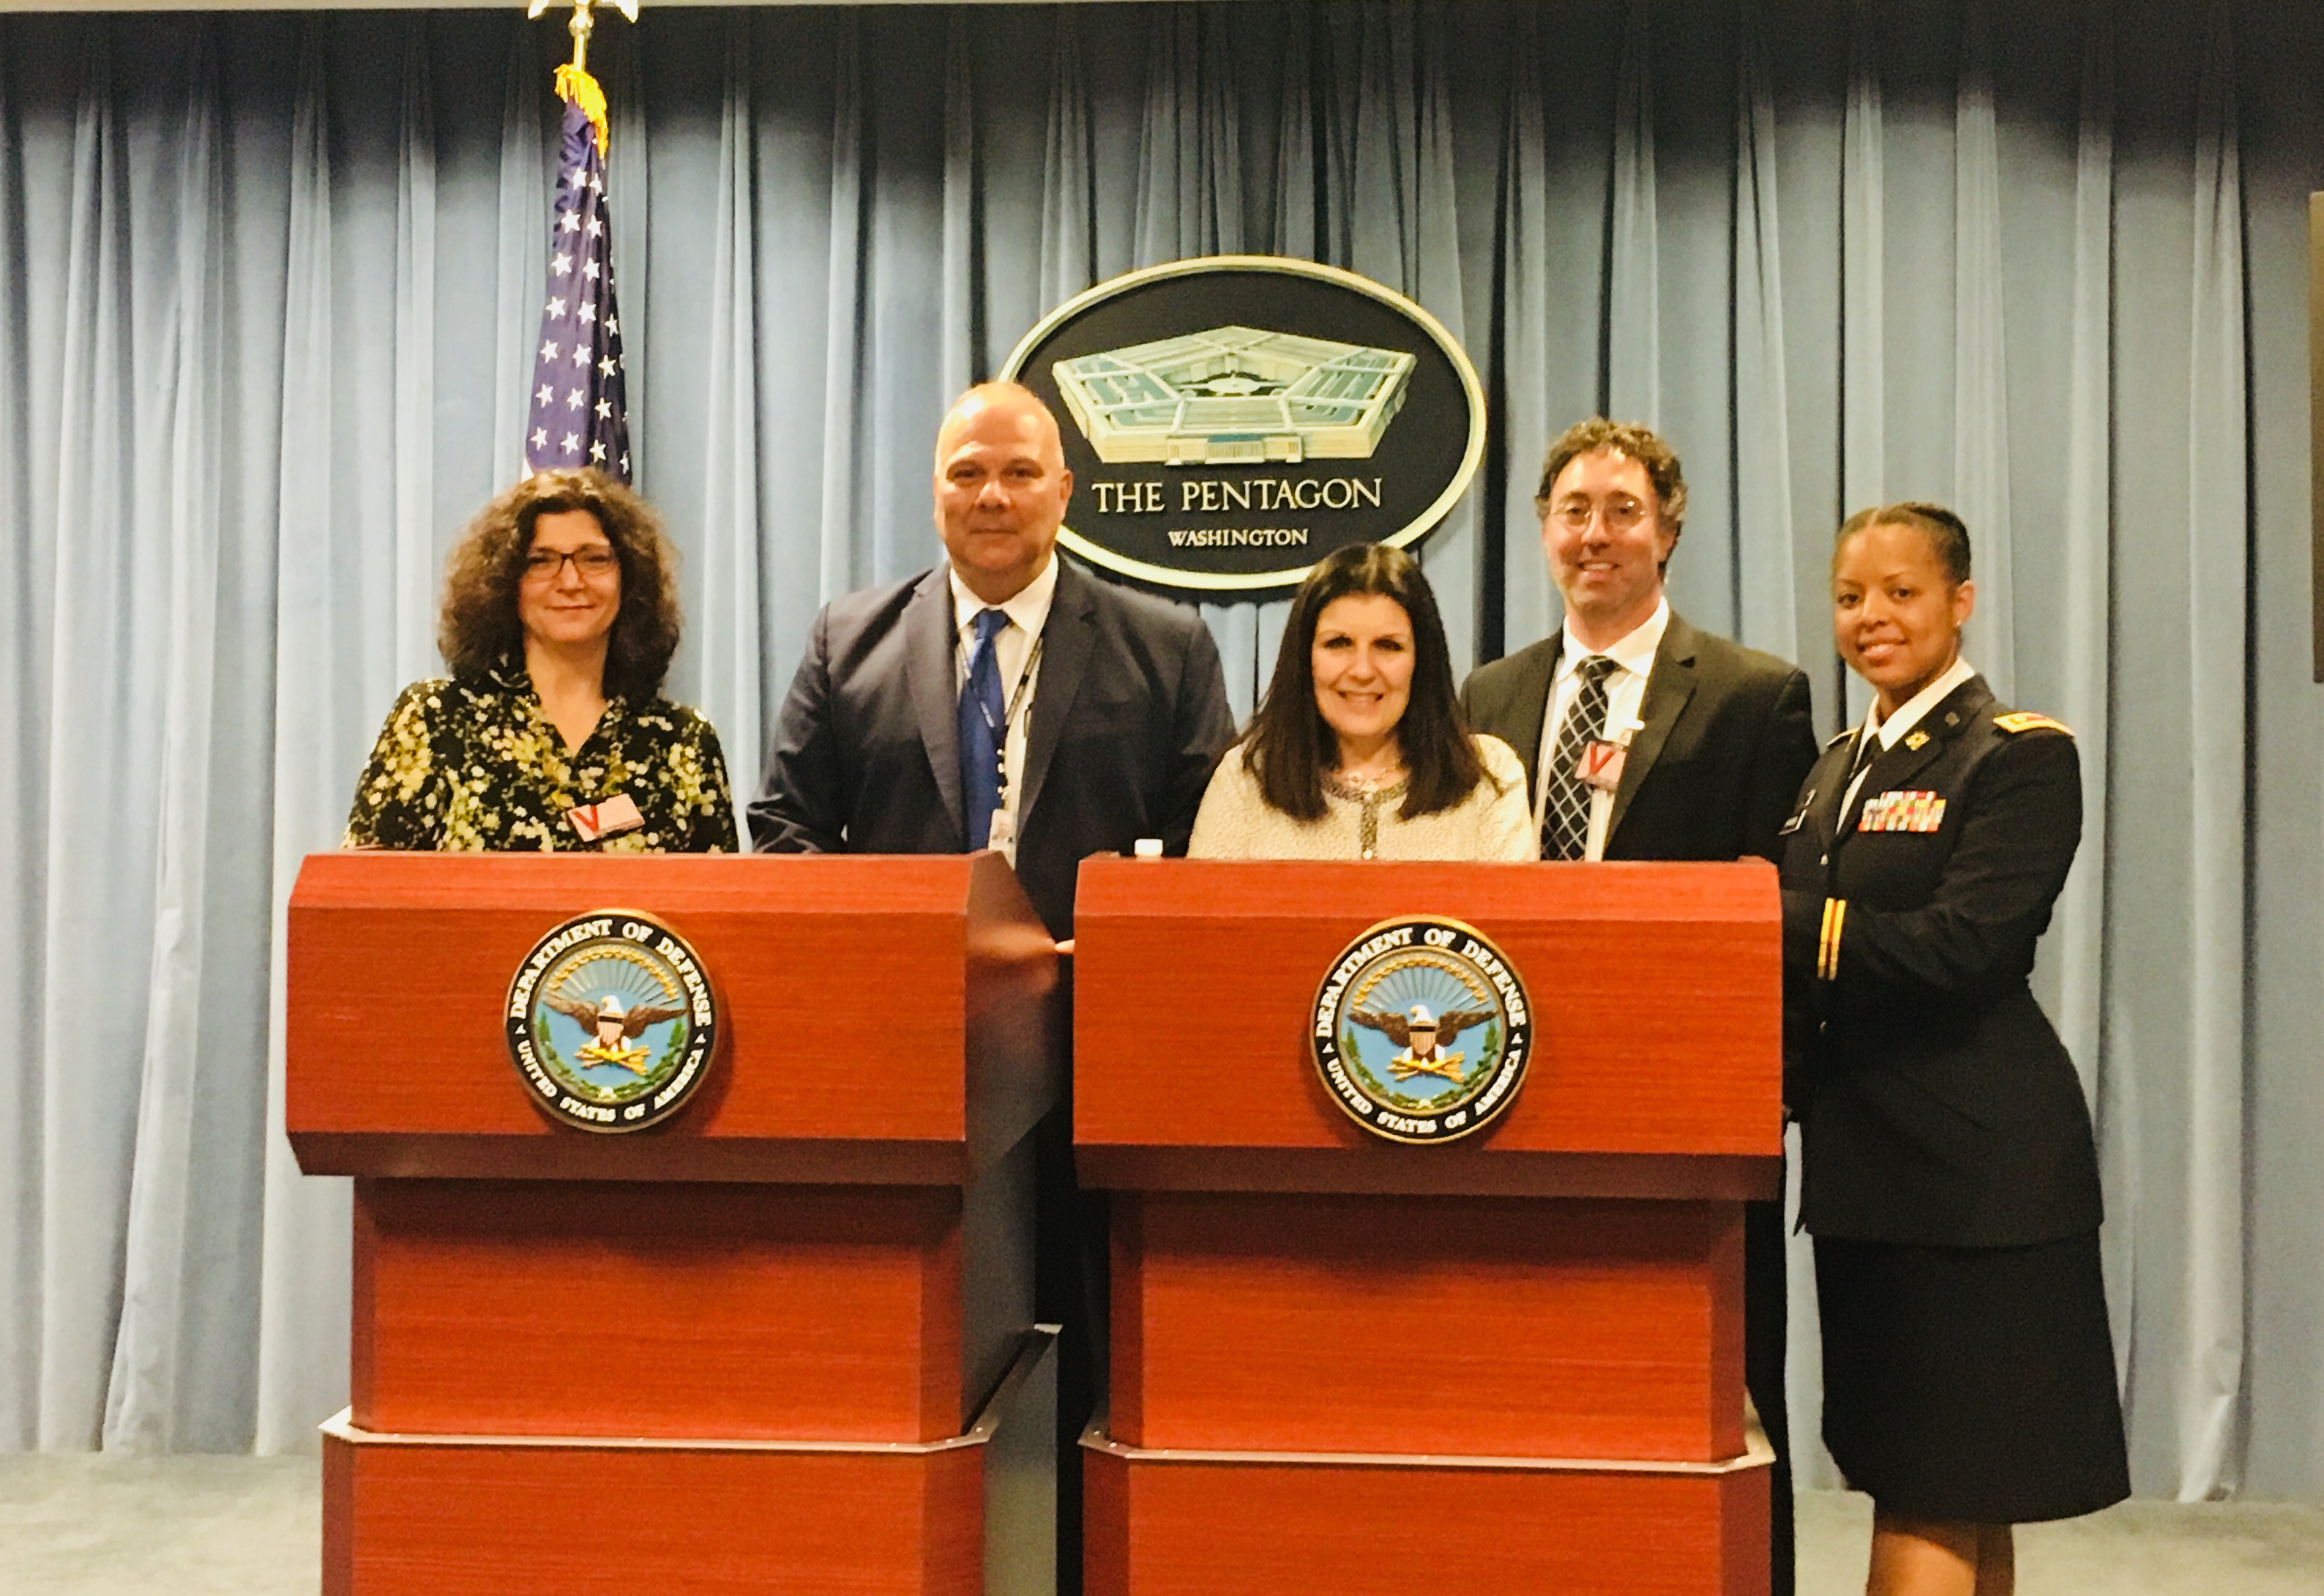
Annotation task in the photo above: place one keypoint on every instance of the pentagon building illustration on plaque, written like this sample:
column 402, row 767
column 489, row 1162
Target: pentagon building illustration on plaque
column 1234, row 396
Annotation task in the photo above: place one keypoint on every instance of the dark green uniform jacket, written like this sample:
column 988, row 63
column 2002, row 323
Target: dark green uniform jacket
column 1937, row 1105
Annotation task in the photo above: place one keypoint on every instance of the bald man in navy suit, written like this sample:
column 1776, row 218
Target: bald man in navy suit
column 1005, row 699
column 1113, row 704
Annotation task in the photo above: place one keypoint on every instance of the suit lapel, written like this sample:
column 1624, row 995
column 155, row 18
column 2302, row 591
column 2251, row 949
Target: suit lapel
column 1065, row 642
column 1670, row 683
column 929, row 670
column 1826, row 785
column 1532, row 701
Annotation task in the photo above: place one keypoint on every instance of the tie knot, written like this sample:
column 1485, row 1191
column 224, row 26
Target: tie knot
column 989, row 623
column 1596, row 669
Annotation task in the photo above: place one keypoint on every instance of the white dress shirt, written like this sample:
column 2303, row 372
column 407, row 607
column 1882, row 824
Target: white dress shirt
column 1626, row 696
column 1908, row 715
column 1019, row 665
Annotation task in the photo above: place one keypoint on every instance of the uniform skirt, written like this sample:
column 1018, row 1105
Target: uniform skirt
column 1971, row 1384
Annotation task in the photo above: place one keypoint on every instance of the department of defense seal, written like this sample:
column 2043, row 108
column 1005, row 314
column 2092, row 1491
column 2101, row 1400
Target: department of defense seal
column 612, row 1021
column 1421, row 1030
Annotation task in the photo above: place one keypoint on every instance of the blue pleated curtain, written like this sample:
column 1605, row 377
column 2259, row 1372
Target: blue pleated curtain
column 270, row 285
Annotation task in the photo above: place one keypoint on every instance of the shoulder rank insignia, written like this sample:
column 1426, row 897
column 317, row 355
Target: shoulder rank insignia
column 1903, row 811
column 1916, row 740
column 2025, row 720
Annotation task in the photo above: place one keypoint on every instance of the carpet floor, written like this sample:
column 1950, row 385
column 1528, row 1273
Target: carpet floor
column 78, row 1525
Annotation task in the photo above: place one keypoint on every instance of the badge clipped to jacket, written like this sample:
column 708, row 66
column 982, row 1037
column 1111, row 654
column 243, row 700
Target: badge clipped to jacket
column 1599, row 766
column 616, row 814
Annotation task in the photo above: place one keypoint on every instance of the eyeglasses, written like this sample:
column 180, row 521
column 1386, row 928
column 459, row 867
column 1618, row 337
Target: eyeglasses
column 1622, row 515
column 545, row 565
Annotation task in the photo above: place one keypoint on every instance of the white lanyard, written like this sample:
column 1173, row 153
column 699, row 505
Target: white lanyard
column 1017, row 696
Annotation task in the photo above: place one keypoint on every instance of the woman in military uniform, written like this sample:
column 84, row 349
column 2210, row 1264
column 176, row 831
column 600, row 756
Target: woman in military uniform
column 1949, row 1177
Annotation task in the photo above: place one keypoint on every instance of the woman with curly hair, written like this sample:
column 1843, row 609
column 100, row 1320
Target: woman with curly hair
column 559, row 619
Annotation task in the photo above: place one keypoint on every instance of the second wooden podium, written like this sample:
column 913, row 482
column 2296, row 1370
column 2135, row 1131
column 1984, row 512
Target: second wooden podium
column 1511, row 1362
column 782, row 1342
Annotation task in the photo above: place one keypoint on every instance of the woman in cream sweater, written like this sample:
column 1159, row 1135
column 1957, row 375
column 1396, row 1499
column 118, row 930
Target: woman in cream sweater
column 1358, row 749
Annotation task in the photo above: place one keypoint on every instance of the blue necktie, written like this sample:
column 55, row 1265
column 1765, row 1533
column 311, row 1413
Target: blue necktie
column 983, row 730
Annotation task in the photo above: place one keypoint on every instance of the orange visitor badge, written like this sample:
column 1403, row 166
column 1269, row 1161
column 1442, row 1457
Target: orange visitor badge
column 616, row 814
column 1600, row 766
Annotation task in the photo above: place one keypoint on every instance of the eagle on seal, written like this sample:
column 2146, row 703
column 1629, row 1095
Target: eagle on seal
column 613, row 1025
column 1421, row 1035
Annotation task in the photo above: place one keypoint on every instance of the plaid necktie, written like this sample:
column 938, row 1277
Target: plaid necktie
column 983, row 730
column 1566, row 824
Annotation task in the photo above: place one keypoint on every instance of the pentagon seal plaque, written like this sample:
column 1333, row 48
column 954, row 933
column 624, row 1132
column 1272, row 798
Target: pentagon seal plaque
column 612, row 1022
column 1421, row 1030
column 1232, row 420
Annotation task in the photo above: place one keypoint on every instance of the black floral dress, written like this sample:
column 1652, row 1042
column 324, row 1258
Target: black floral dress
column 471, row 765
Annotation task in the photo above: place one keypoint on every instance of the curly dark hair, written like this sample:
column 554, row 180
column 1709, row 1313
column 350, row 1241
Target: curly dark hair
column 478, row 628
column 1290, row 748
column 1634, row 439
column 1947, row 533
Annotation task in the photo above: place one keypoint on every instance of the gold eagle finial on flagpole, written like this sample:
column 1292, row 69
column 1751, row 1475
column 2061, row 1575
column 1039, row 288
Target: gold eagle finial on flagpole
column 574, row 83
column 583, row 23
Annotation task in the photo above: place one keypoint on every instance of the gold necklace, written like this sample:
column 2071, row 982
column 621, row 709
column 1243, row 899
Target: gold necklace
column 1387, row 775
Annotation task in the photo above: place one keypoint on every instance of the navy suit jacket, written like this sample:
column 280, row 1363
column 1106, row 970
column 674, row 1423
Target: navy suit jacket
column 1129, row 715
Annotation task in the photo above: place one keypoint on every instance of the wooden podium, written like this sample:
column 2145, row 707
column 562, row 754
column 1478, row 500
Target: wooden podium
column 781, row 1343
column 1511, row 1363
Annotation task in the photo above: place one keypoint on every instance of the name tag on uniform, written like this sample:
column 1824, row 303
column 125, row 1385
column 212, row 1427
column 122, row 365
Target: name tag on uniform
column 1601, row 765
column 1798, row 815
column 616, row 814
column 1903, row 811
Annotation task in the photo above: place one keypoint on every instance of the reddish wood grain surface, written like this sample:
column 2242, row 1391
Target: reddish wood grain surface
column 1465, row 1327
column 854, row 991
column 646, row 1156
column 1656, row 992
column 553, row 1521
column 1227, row 1529
column 606, row 1308
column 1472, row 1169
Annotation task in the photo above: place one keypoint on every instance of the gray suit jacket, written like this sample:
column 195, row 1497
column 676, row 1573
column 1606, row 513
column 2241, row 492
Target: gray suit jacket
column 1728, row 739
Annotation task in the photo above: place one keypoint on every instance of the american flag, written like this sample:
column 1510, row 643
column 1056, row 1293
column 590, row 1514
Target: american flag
column 580, row 416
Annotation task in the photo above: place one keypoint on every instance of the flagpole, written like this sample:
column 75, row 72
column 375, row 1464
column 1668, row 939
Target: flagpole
column 582, row 23
column 577, row 412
